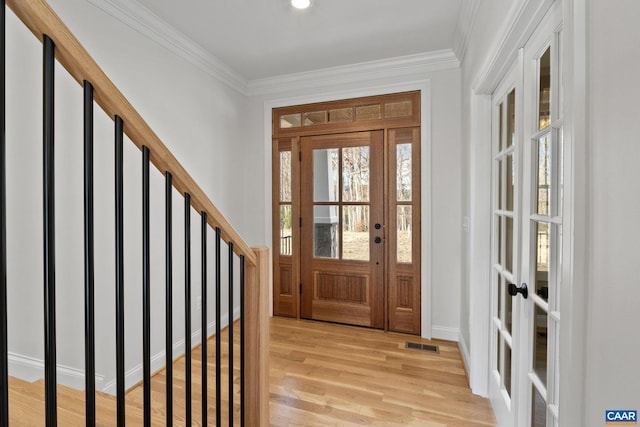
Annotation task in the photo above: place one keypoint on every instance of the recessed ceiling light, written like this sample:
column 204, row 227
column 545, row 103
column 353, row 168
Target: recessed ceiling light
column 300, row 4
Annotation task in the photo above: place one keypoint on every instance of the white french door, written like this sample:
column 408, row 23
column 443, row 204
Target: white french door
column 527, row 233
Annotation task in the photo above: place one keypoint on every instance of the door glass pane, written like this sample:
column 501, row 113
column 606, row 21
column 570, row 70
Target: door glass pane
column 285, row 230
column 544, row 104
column 290, row 121
column 325, row 231
column 538, row 409
column 501, row 143
column 341, row 115
column 315, row 118
column 508, row 309
column 508, row 264
column 540, row 344
column 542, row 260
column 355, row 233
column 398, row 109
column 500, row 186
column 285, row 176
column 403, row 172
column 507, row 368
column 500, row 244
column 511, row 118
column 500, row 289
column 510, row 184
column 355, row 174
column 544, row 174
column 403, row 223
column 498, row 350
column 325, row 175
column 369, row 112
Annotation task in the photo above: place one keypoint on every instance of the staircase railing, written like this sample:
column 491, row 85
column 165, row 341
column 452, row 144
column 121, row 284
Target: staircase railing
column 61, row 45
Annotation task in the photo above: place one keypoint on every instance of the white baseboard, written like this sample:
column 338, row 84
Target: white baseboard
column 134, row 375
column 445, row 333
column 466, row 356
column 31, row 369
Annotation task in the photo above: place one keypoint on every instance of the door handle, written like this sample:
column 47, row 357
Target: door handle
column 514, row 290
column 377, row 239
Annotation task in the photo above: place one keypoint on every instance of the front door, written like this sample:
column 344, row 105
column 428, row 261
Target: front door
column 342, row 235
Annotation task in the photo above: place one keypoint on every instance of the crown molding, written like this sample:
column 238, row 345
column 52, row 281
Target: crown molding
column 464, row 27
column 356, row 73
column 144, row 21
column 523, row 19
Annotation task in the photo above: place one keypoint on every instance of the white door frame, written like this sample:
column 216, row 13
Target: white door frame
column 524, row 20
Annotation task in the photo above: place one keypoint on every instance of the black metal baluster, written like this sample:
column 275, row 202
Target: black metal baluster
column 119, row 180
column 49, row 235
column 169, row 296
column 4, row 356
column 89, row 262
column 203, row 300
column 146, row 291
column 187, row 305
column 230, row 331
column 241, row 340
column 218, row 346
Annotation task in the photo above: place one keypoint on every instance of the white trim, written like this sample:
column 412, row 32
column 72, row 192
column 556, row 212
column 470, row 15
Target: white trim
column 356, row 73
column 31, row 369
column 464, row 351
column 480, row 242
column 425, row 141
column 445, row 333
column 142, row 20
column 464, row 27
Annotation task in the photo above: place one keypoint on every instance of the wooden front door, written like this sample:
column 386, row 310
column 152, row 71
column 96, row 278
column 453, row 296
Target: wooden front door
column 342, row 235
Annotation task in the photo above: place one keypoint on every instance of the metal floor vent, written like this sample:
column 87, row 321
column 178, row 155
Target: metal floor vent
column 423, row 347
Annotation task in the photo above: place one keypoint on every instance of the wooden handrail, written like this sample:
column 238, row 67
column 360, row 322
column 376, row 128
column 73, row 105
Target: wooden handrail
column 40, row 18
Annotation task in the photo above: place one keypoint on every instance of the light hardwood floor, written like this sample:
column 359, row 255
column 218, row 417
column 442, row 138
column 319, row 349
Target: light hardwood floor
column 320, row 375
column 332, row 375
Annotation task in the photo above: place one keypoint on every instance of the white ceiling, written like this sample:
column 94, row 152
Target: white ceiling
column 266, row 38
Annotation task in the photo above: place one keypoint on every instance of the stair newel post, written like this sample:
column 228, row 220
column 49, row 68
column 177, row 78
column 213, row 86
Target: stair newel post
column 256, row 340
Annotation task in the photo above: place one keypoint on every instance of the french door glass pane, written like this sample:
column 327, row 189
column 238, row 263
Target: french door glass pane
column 355, row 174
column 403, row 225
column 544, row 103
column 501, row 138
column 538, row 410
column 544, row 175
column 510, row 184
column 498, row 350
column 540, row 344
column 285, row 176
column 508, row 310
column 500, row 244
column 511, row 118
column 543, row 238
column 325, row 175
column 285, row 230
column 355, row 233
column 325, row 231
column 508, row 264
column 403, row 172
column 500, row 179
column 506, row 375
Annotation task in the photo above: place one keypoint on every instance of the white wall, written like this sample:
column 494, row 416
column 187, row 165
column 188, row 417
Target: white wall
column 200, row 119
column 443, row 303
column 612, row 376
